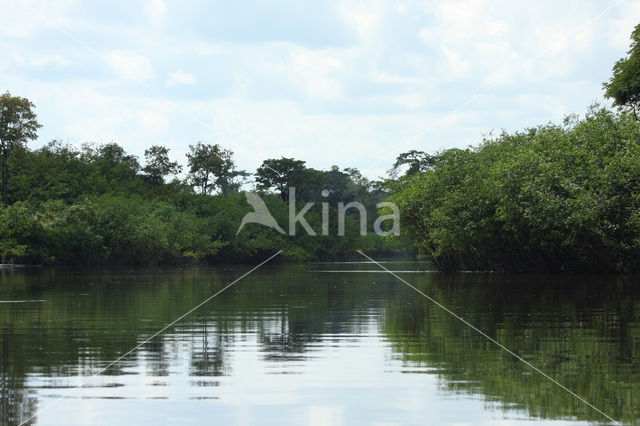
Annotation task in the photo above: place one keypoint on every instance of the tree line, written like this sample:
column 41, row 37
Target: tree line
column 97, row 204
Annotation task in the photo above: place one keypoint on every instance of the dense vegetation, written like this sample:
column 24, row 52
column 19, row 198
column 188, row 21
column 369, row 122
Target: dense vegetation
column 556, row 197
column 97, row 205
column 552, row 198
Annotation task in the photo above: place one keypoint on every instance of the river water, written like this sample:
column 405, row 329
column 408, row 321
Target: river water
column 315, row 344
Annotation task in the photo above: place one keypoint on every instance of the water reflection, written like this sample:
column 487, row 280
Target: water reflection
column 333, row 340
column 584, row 332
column 16, row 403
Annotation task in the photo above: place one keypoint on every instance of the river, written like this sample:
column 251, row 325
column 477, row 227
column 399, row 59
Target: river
column 316, row 344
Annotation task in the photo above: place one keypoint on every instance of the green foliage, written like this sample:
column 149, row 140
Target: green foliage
column 553, row 198
column 97, row 205
column 331, row 186
column 58, row 171
column 211, row 168
column 158, row 164
column 110, row 163
column 105, row 229
column 92, row 206
column 18, row 124
column 624, row 85
column 281, row 174
column 16, row 228
column 416, row 162
column 71, row 222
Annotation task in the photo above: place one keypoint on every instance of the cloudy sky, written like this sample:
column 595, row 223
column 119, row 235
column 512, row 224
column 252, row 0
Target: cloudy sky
column 351, row 83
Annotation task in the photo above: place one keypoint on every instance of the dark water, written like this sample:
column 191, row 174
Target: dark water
column 334, row 343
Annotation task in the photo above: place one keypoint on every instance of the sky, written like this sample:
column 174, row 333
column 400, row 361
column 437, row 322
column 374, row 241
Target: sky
column 346, row 83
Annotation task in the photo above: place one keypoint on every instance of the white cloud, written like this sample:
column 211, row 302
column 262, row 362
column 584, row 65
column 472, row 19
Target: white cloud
column 130, row 65
column 363, row 16
column 40, row 60
column 316, row 73
column 457, row 66
column 153, row 121
column 23, row 19
column 156, row 11
column 178, row 78
column 618, row 31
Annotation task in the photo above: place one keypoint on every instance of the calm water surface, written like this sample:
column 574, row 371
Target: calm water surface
column 317, row 344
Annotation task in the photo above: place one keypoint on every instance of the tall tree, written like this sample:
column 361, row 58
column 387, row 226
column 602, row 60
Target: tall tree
column 336, row 183
column 281, row 174
column 624, row 85
column 158, row 164
column 212, row 167
column 418, row 162
column 18, row 124
column 231, row 181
